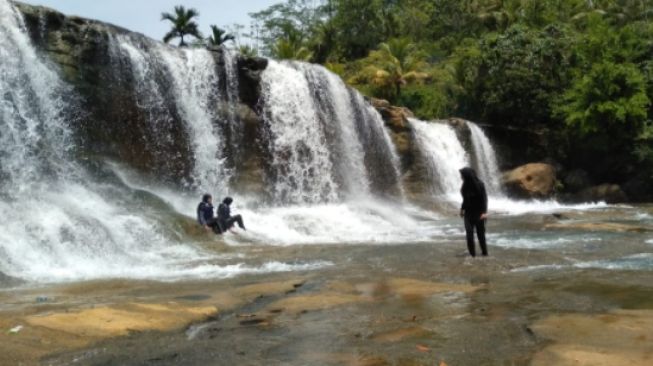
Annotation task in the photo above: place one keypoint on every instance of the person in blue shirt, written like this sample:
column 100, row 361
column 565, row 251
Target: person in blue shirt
column 225, row 219
column 205, row 216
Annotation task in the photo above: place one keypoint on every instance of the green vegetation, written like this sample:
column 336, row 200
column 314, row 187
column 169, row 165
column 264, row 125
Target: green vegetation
column 182, row 25
column 219, row 36
column 581, row 69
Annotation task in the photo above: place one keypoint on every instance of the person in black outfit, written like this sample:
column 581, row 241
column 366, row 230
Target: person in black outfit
column 474, row 209
column 205, row 215
column 225, row 219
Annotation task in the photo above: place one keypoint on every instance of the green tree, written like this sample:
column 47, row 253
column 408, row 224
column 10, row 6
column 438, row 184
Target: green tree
column 610, row 97
column 182, row 24
column 514, row 77
column 291, row 45
column 219, row 36
column 393, row 65
column 273, row 23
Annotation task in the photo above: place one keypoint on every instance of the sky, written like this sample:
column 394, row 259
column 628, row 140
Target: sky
column 144, row 16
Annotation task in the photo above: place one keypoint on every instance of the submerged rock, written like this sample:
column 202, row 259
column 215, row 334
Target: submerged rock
column 609, row 193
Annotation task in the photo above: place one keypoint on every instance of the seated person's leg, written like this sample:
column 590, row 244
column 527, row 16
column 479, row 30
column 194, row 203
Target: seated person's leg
column 239, row 220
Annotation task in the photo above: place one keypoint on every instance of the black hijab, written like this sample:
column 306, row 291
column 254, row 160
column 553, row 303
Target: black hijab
column 470, row 181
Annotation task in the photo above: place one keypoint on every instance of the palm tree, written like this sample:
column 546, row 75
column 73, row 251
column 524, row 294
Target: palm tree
column 291, row 45
column 219, row 36
column 182, row 24
column 393, row 65
column 286, row 49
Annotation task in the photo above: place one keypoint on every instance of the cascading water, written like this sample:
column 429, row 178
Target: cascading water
column 195, row 81
column 169, row 81
column 230, row 60
column 444, row 156
column 326, row 142
column 301, row 159
column 54, row 226
column 34, row 138
column 62, row 223
column 333, row 104
column 485, row 159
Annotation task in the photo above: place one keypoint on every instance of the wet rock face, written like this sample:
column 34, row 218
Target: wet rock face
column 109, row 123
column 534, row 180
column 108, row 120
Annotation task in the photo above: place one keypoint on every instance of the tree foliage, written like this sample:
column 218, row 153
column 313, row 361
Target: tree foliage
column 581, row 68
column 182, row 25
column 219, row 36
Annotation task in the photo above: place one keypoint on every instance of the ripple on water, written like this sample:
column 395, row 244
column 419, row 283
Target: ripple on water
column 640, row 261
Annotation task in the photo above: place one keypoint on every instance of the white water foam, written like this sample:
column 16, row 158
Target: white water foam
column 535, row 241
column 365, row 221
column 636, row 262
column 506, row 206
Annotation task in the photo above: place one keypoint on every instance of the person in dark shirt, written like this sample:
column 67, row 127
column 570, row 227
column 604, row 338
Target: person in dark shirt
column 205, row 216
column 474, row 209
column 225, row 219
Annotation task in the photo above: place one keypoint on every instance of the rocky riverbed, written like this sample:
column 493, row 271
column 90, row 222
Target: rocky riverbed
column 573, row 295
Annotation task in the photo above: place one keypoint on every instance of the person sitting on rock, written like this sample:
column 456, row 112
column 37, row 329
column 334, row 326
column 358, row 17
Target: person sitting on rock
column 225, row 219
column 205, row 216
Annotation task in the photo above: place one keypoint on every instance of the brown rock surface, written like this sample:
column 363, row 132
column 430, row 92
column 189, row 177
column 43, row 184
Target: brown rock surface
column 534, row 180
column 114, row 321
column 396, row 117
column 621, row 337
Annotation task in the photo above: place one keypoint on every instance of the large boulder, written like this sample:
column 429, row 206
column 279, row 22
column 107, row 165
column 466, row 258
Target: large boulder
column 609, row 193
column 534, row 180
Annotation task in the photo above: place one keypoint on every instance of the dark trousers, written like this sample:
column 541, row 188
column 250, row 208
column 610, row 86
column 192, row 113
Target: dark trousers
column 229, row 223
column 214, row 225
column 473, row 222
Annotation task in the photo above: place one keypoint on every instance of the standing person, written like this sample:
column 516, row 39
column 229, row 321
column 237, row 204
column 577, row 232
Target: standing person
column 225, row 219
column 205, row 216
column 474, row 209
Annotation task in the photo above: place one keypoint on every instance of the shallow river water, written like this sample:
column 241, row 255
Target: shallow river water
column 554, row 282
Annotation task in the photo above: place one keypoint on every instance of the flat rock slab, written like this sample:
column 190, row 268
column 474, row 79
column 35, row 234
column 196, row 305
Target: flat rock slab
column 102, row 322
column 340, row 293
column 621, row 337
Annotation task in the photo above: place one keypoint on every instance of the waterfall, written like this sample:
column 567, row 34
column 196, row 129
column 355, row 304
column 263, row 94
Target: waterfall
column 334, row 105
column 301, row 160
column 34, row 136
column 325, row 141
column 485, row 159
column 59, row 222
column 174, row 86
column 195, row 82
column 444, row 156
column 232, row 99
